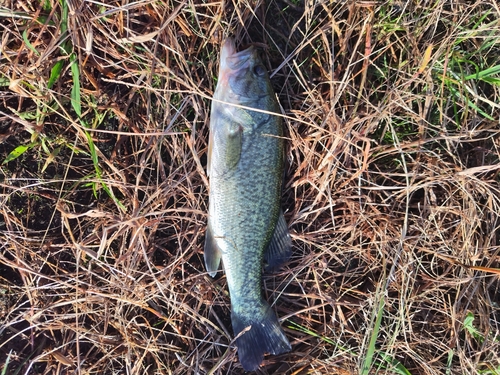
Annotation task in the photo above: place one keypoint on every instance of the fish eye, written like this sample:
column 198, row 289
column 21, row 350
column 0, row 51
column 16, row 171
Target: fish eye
column 259, row 70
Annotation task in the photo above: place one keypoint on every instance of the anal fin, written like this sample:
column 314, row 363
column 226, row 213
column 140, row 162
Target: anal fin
column 212, row 252
column 280, row 247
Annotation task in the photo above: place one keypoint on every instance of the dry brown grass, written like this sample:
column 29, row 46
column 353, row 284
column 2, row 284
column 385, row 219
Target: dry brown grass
column 392, row 190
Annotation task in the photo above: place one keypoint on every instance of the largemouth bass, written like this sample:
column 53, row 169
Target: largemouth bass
column 246, row 227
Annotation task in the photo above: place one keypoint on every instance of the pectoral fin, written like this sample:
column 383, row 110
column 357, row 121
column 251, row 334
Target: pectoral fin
column 280, row 247
column 212, row 253
column 232, row 146
column 224, row 145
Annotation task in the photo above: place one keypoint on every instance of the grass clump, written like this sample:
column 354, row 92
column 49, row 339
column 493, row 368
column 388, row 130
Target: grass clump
column 391, row 192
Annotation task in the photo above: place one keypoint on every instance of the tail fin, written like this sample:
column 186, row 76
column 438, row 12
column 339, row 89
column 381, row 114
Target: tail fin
column 264, row 336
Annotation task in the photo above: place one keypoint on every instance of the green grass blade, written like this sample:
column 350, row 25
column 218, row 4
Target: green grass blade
column 472, row 105
column 95, row 161
column 491, row 80
column 109, row 191
column 298, row 327
column 484, row 73
column 449, row 361
column 6, row 365
column 18, row 151
column 66, row 46
column 93, row 153
column 367, row 364
column 55, row 73
column 28, row 43
column 469, row 326
column 75, row 90
column 396, row 366
column 56, row 70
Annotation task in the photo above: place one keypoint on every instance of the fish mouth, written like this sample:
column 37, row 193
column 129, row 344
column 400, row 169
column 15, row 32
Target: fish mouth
column 231, row 60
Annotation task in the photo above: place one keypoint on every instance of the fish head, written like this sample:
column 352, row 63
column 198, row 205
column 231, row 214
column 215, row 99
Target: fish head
column 243, row 79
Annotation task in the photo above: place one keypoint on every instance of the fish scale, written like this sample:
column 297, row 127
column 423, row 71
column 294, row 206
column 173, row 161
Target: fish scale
column 245, row 221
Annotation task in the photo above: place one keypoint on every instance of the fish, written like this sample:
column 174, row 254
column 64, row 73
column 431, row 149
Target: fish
column 246, row 227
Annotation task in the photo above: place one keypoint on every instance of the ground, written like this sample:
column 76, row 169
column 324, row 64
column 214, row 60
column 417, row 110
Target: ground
column 391, row 192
